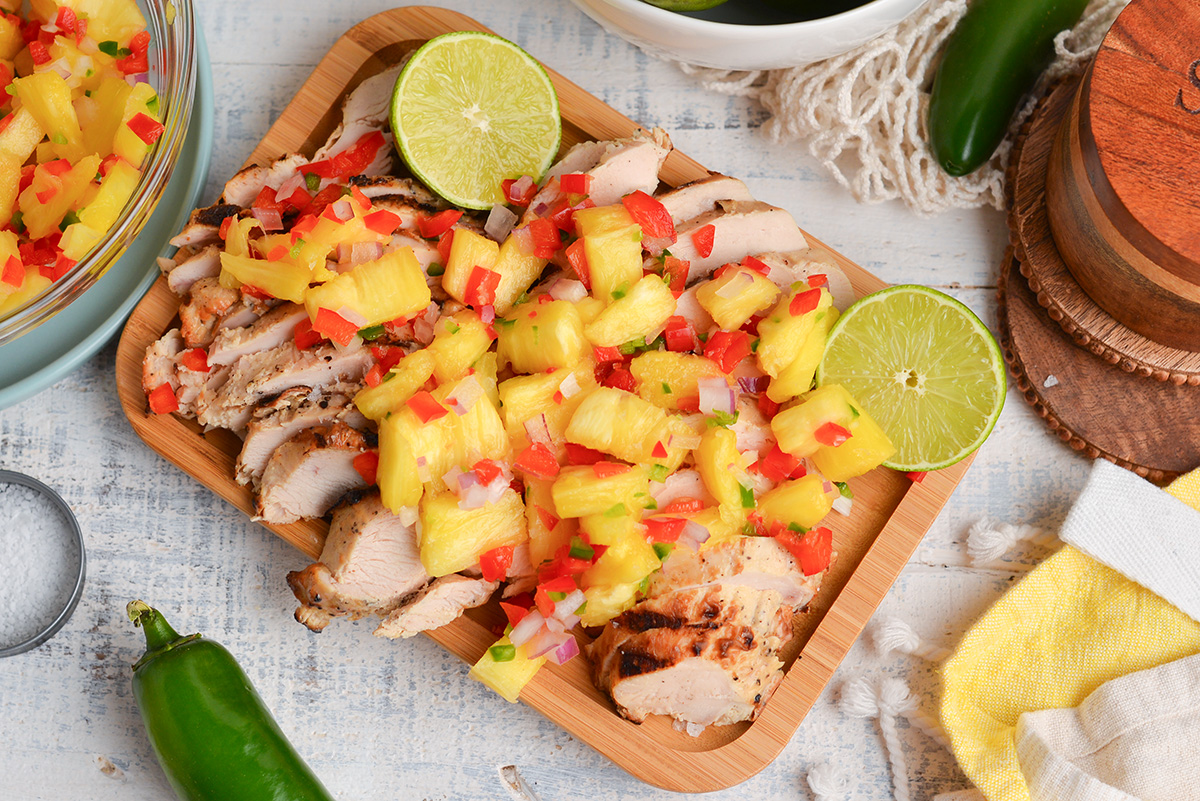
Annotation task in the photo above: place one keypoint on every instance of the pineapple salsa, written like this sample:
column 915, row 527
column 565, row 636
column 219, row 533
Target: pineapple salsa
column 79, row 120
column 556, row 413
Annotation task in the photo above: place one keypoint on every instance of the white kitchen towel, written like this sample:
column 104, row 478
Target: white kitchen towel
column 1136, row 738
column 1147, row 535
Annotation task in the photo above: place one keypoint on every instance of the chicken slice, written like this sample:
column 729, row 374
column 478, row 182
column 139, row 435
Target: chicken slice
column 757, row 563
column 438, row 604
column 701, row 196
column 369, row 565
column 280, row 419
column 204, row 225
column 269, row 331
column 202, row 263
column 243, row 188
column 309, row 473
column 364, row 112
column 210, row 307
column 787, row 268
column 741, row 228
column 158, row 365
column 374, row 186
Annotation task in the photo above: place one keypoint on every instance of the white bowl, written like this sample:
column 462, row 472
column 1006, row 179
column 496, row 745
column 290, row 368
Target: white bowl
column 732, row 36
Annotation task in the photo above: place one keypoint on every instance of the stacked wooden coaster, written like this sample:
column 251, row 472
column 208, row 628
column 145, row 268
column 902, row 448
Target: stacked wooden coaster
column 1104, row 213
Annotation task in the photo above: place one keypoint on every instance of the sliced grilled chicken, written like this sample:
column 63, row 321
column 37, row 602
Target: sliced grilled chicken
column 787, row 268
column 211, row 307
column 158, row 365
column 688, row 307
column 243, row 188
column 280, row 419
column 741, row 229
column 407, row 208
column 203, row 226
column 269, row 331
column 369, row 565
column 374, row 186
column 700, row 197
column 365, row 111
column 204, row 262
column 685, row 483
column 703, row 656
column 438, row 604
column 309, row 473
column 580, row 158
column 758, row 563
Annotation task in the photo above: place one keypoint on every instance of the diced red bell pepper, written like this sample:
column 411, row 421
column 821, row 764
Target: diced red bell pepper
column 831, row 435
column 487, row 471
column 768, row 407
column 481, row 287
column 350, row 162
column 664, row 529
column 617, row 377
column 727, row 348
column 267, row 201
column 916, row 477
column 195, row 360
column 146, row 128
column 14, row 272
column 445, row 242
column 575, row 183
column 278, row 253
column 40, row 55
column 426, row 407
column 813, row 549
column 818, row 279
column 544, row 235
column 562, row 213
column 138, row 60
column 316, row 206
column 659, row 451
column 561, row 584
column 494, row 564
column 362, row 199
column 606, row 469
column 40, row 251
column 518, row 198
column 334, row 326
column 305, row 336
column 374, row 376
column 650, row 214
column 513, row 612
column 804, row 302
column 678, row 334
column 704, row 239
column 537, row 460
column 388, row 356
column 549, row 520
column 255, row 292
column 675, row 273
column 688, row 404
column 57, row 270
column 683, row 506
column 163, row 400
column 223, row 229
column 577, row 259
column 64, row 20
column 778, row 465
column 580, row 454
column 382, row 222
column 604, row 355
column 367, row 465
column 299, row 199
column 542, row 599
column 757, row 265
column 435, row 225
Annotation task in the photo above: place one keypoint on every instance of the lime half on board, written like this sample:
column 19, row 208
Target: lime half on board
column 471, row 109
column 924, row 367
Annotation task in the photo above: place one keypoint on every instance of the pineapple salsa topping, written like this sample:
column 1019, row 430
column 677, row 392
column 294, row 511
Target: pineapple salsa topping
column 602, row 416
column 79, row 118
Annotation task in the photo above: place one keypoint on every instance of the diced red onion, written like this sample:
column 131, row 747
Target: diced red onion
column 546, row 641
column 693, row 535
column 753, row 383
column 498, row 487
column 474, row 497
column 739, row 282
column 342, row 210
column 827, row 486
column 567, row 606
column 362, row 252
column 521, row 186
column 271, row 219
column 487, row 315
column 524, row 240
column 467, row 480
column 500, row 222
column 655, row 245
column 653, row 335
column 288, row 187
column 354, row 344
column 716, row 396
column 408, row 515
column 570, row 386
column 540, row 209
column 351, row 316
column 842, row 505
column 564, row 652
column 422, row 330
column 538, row 430
column 432, row 313
column 134, row 80
column 464, row 396
column 568, row 289
column 524, row 631
column 450, row 477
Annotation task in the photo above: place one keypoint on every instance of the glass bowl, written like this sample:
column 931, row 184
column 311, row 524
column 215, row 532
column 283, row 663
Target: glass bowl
column 172, row 57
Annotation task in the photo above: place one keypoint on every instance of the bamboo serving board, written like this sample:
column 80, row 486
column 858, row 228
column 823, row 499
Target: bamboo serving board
column 889, row 517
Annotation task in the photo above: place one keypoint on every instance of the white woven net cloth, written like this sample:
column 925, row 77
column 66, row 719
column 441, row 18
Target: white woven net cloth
column 862, row 114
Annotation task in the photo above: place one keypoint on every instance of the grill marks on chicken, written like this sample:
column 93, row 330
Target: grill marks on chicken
column 279, row 419
column 309, row 473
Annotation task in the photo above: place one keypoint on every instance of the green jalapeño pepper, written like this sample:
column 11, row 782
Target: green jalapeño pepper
column 992, row 58
column 213, row 736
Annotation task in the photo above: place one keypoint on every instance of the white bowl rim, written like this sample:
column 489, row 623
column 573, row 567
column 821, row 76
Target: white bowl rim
column 749, row 33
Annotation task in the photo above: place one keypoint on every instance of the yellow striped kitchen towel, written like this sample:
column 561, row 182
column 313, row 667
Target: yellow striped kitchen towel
column 1075, row 622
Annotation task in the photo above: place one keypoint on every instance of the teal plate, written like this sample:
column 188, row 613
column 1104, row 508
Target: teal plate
column 35, row 361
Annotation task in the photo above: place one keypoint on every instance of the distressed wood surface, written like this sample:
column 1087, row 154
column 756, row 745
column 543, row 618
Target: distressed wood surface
column 400, row 720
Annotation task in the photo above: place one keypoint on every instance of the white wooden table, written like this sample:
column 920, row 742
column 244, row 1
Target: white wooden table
column 382, row 720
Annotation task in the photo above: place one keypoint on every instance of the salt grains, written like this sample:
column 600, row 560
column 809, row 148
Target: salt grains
column 42, row 556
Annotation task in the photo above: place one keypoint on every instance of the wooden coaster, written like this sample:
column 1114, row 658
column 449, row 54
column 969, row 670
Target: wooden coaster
column 1042, row 265
column 1149, row 427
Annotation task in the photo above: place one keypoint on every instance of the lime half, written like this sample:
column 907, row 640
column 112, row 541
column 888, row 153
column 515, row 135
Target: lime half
column 471, row 109
column 924, row 367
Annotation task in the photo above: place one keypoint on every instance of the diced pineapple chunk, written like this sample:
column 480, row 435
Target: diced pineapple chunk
column 578, row 491
column 60, row 192
column 509, row 677
column 485, row 374
column 665, row 378
column 641, row 311
column 277, row 280
column 126, row 143
column 747, row 293
column 517, row 271
column 535, row 337
column 782, row 335
column 108, row 103
column 115, row 189
column 797, row 377
column 397, row 474
column 723, row 524
column 459, row 340
column 720, row 466
column 612, row 243
column 803, row 501
column 77, row 240
column 544, row 540
column 796, row 430
column 524, row 397
column 628, row 558
column 11, row 41
column 115, row 20
column 33, row 284
column 400, row 383
column 589, row 308
column 620, row 423
column 867, row 448
column 381, row 290
column 20, row 137
column 468, row 250
column 606, row 601
column 452, row 538
column 48, row 98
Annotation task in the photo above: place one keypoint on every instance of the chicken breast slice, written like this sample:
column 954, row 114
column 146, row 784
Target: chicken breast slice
column 757, row 563
column 270, row 331
column 307, row 475
column 243, row 188
column 204, row 225
column 701, row 196
column 787, row 268
column 438, row 604
column 159, row 363
column 205, row 262
column 741, row 228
